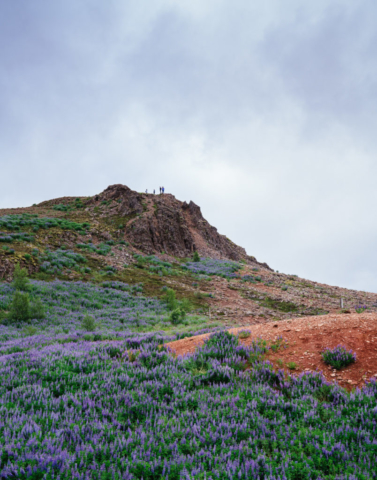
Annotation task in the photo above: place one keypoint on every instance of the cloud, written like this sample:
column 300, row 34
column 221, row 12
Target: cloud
column 263, row 113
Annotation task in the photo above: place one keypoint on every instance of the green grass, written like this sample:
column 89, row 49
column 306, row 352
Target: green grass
column 281, row 305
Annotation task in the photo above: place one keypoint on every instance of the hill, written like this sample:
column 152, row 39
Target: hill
column 145, row 345
column 127, row 236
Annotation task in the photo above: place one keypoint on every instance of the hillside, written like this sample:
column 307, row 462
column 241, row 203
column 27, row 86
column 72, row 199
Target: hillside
column 110, row 229
column 136, row 342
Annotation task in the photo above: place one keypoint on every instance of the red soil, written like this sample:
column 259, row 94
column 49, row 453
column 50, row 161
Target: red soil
column 304, row 339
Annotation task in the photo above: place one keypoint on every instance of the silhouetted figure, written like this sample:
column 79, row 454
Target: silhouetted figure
column 146, row 191
column 154, row 191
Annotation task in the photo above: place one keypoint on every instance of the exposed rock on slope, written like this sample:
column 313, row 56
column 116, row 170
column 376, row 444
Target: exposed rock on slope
column 161, row 223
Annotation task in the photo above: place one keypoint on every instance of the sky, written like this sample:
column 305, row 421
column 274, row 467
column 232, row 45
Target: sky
column 264, row 113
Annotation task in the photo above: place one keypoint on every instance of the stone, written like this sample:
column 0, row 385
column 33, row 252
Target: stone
column 160, row 223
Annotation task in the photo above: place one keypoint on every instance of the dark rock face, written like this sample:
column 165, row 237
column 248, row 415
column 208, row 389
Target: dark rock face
column 161, row 223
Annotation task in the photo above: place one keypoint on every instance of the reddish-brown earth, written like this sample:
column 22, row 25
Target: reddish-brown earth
column 304, row 339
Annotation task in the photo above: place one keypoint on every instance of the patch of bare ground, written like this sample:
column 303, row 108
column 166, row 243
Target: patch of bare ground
column 277, row 296
column 305, row 338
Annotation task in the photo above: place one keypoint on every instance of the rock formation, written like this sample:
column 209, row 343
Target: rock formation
column 161, row 223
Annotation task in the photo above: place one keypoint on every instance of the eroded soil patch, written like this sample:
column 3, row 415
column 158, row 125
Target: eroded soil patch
column 304, row 339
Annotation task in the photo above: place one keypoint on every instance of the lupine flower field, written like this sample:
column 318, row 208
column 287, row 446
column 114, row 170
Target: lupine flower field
column 116, row 404
column 210, row 266
column 113, row 305
column 130, row 410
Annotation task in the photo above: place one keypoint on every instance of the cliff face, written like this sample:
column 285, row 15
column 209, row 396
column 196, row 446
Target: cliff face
column 161, row 223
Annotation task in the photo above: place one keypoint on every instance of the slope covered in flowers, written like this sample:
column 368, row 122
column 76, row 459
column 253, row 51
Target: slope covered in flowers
column 119, row 311
column 132, row 410
column 212, row 266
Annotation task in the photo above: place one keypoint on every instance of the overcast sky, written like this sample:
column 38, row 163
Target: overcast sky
column 264, row 113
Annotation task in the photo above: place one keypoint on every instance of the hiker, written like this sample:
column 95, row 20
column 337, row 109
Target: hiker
column 146, row 191
column 154, row 191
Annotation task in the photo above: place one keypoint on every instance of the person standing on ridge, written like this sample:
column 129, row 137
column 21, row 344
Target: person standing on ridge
column 154, row 191
column 146, row 191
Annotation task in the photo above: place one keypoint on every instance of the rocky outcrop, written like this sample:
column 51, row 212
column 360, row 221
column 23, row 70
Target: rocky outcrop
column 161, row 223
column 130, row 202
column 7, row 266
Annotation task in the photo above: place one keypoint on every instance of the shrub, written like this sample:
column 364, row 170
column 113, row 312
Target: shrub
column 196, row 257
column 170, row 299
column 292, row 365
column 244, row 334
column 177, row 316
column 360, row 308
column 338, row 357
column 37, row 310
column 20, row 280
column 88, row 323
column 186, row 305
column 20, row 307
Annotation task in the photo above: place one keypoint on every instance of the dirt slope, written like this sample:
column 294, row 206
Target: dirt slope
column 304, row 339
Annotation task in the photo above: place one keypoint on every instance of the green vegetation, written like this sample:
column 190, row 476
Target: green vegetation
column 277, row 344
column 20, row 278
column 154, row 265
column 75, row 205
column 89, row 324
column 177, row 316
column 338, row 357
column 281, row 305
column 22, row 310
column 18, row 222
column 12, row 237
column 20, row 307
column 196, row 257
column 54, row 262
column 244, row 334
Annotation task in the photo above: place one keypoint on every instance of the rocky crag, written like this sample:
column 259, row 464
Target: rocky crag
column 160, row 224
